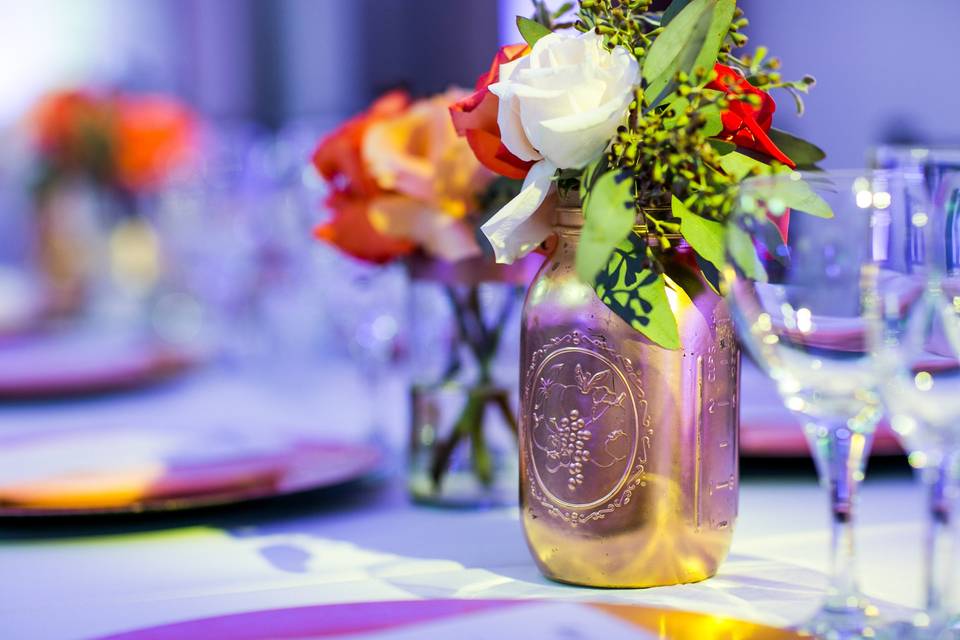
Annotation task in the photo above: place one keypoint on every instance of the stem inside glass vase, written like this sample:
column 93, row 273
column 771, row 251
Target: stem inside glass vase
column 483, row 341
column 840, row 453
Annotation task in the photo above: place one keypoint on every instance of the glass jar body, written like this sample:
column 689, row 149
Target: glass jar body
column 629, row 472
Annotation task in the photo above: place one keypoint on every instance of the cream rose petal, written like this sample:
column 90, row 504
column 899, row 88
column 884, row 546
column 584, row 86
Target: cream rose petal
column 520, row 226
column 440, row 235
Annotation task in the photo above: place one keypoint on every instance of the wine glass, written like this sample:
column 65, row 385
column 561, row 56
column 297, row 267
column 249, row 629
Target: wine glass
column 798, row 310
column 914, row 303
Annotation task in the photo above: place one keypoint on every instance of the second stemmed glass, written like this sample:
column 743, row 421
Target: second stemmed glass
column 915, row 336
column 799, row 312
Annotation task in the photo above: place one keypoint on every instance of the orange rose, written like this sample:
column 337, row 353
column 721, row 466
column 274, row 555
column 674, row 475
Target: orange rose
column 74, row 131
column 475, row 117
column 339, row 157
column 153, row 135
column 350, row 231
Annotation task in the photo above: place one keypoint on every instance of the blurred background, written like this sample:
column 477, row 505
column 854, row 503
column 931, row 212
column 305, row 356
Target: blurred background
column 274, row 62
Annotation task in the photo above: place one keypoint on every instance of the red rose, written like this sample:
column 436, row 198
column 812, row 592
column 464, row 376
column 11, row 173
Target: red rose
column 745, row 123
column 475, row 118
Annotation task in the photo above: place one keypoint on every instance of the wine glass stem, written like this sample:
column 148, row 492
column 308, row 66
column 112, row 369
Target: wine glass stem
column 938, row 558
column 846, row 456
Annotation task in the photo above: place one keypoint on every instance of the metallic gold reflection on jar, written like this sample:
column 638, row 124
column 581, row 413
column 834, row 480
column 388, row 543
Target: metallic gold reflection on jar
column 628, row 451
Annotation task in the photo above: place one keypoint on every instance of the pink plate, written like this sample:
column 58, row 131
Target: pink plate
column 149, row 469
column 53, row 365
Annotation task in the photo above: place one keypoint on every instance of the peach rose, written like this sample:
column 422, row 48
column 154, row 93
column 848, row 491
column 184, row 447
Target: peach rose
column 433, row 177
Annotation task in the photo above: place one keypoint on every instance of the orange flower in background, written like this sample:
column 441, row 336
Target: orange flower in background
column 402, row 180
column 350, row 230
column 745, row 124
column 153, row 135
column 122, row 141
column 475, row 117
column 339, row 157
column 418, row 155
column 74, row 130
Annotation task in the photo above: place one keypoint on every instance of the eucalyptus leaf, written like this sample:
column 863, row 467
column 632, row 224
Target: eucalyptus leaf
column 722, row 147
column 589, row 177
column 704, row 236
column 637, row 294
column 672, row 11
column 609, row 216
column 691, row 40
column 710, row 273
column 803, row 153
column 740, row 166
column 794, row 194
column 531, row 30
column 742, row 253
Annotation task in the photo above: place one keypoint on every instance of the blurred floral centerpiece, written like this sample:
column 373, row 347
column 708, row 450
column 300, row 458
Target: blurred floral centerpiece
column 96, row 156
column 404, row 187
column 631, row 129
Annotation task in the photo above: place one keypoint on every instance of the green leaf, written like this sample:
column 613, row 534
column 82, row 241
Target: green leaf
column 609, row 215
column 591, row 173
column 672, row 11
column 637, row 294
column 794, row 194
column 531, row 30
column 560, row 12
column 722, row 147
column 740, row 166
column 692, row 40
column 704, row 236
column 803, row 153
column 742, row 253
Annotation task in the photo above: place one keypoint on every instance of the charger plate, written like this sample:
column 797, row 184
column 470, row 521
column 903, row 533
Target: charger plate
column 465, row 620
column 50, row 365
column 87, row 471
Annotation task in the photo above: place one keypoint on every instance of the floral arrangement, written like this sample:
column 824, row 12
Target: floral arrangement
column 653, row 120
column 404, row 185
column 402, row 182
column 125, row 143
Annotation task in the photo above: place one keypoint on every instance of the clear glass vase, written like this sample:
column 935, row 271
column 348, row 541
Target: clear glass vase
column 464, row 325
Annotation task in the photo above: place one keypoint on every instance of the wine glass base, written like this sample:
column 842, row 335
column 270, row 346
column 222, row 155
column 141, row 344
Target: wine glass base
column 851, row 623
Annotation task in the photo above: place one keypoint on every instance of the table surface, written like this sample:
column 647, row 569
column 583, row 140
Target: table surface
column 81, row 579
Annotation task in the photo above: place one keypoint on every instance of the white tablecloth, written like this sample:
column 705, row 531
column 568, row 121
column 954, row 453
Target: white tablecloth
column 80, row 580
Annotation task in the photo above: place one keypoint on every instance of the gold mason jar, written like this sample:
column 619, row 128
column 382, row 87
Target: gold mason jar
column 628, row 465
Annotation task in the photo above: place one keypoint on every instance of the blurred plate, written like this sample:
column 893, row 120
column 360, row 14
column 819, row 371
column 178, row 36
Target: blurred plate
column 75, row 362
column 769, row 430
column 85, row 471
column 22, row 306
column 466, row 620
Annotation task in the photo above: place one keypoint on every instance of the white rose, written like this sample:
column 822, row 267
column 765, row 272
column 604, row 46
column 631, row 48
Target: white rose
column 565, row 100
column 560, row 106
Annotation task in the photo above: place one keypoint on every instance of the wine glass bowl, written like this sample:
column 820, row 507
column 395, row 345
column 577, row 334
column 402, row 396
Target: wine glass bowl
column 797, row 303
